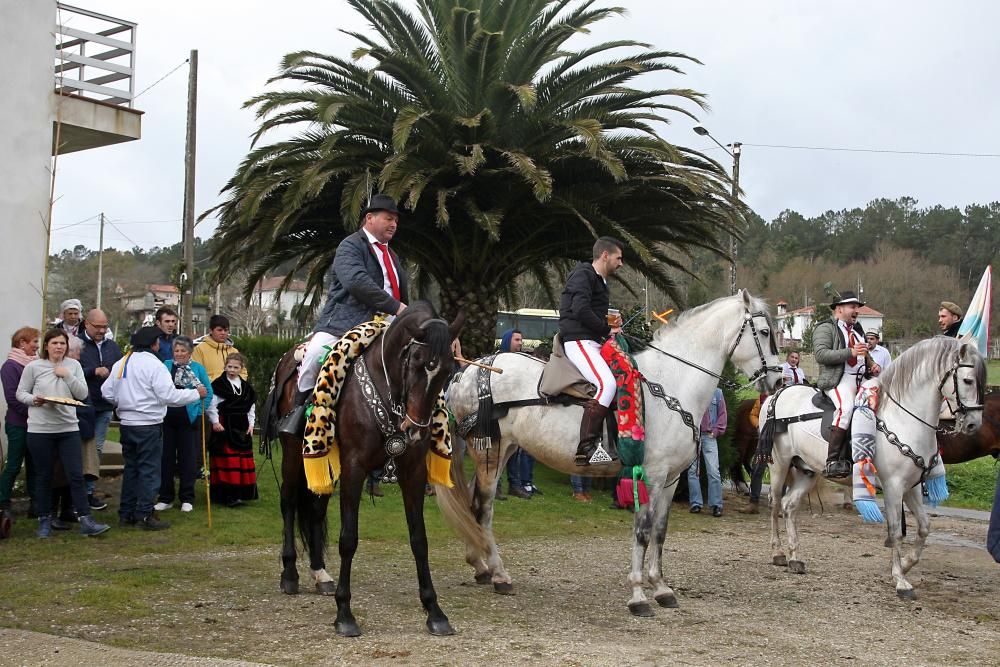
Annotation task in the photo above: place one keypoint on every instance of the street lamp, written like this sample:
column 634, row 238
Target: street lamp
column 735, row 154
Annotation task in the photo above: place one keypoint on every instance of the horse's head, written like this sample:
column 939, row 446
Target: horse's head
column 964, row 386
column 754, row 349
column 418, row 354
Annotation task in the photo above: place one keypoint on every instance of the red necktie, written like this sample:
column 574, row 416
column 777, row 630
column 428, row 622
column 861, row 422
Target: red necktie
column 389, row 270
column 851, row 340
column 795, row 375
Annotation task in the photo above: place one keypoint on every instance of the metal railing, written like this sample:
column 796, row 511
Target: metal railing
column 88, row 41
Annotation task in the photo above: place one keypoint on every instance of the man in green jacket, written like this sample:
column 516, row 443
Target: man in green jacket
column 840, row 352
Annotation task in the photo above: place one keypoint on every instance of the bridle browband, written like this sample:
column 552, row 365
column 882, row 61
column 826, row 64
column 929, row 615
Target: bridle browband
column 730, row 384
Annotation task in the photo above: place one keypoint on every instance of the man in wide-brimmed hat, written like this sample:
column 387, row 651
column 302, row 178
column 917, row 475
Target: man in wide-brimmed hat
column 840, row 352
column 367, row 279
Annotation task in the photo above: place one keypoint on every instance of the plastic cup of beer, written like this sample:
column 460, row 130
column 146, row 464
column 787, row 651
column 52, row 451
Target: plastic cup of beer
column 614, row 317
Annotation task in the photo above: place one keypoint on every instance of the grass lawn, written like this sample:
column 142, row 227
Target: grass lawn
column 972, row 484
column 993, row 372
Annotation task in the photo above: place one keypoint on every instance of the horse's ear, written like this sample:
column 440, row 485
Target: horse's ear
column 456, row 326
column 746, row 297
column 965, row 351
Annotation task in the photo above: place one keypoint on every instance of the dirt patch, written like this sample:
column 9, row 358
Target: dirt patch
column 570, row 606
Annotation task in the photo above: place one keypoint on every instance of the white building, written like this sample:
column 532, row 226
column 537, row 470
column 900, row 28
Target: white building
column 60, row 96
column 794, row 323
column 266, row 296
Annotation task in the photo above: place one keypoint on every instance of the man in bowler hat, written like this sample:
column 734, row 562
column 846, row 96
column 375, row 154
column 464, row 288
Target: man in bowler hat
column 367, row 279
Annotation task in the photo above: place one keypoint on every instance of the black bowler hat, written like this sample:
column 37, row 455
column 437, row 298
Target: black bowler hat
column 845, row 298
column 145, row 337
column 380, row 203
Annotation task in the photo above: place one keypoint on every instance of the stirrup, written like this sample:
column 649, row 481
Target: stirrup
column 600, row 455
column 837, row 469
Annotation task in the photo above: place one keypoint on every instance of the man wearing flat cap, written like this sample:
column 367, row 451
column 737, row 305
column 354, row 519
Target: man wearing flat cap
column 840, row 353
column 878, row 352
column 141, row 389
column 950, row 319
column 70, row 312
column 367, row 278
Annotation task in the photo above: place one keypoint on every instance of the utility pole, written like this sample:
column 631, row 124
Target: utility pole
column 100, row 263
column 187, row 296
column 737, row 149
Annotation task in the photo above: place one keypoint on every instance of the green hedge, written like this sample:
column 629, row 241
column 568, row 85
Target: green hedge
column 262, row 354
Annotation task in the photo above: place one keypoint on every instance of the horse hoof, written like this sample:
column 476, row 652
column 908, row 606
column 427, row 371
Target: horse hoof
column 503, row 588
column 289, row 587
column 440, row 627
column 906, row 594
column 484, row 578
column 326, row 587
column 347, row 628
column 641, row 609
column 779, row 560
column 796, row 567
column 668, row 601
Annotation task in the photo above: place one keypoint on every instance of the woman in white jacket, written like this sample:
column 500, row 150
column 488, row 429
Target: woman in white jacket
column 53, row 429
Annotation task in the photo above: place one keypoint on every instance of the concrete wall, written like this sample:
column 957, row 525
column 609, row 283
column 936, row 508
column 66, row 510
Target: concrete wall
column 26, row 48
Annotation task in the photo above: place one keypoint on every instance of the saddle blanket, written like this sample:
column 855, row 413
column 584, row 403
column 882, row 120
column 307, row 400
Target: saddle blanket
column 320, row 450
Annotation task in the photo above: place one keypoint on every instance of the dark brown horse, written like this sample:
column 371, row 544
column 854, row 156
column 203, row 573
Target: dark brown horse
column 410, row 374
column 955, row 448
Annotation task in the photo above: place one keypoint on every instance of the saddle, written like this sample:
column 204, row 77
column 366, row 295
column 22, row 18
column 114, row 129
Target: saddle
column 819, row 400
column 560, row 376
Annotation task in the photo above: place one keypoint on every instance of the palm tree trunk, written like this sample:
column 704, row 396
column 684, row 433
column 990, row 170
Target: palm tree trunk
column 479, row 299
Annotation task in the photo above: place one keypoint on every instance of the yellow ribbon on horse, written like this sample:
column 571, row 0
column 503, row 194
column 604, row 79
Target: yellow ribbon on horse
column 320, row 450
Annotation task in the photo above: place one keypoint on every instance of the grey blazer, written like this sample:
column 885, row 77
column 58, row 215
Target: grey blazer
column 831, row 354
column 356, row 293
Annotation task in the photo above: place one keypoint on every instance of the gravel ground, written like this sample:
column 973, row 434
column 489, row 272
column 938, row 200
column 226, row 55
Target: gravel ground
column 735, row 607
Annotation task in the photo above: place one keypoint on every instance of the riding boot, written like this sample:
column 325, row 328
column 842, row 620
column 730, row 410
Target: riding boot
column 294, row 423
column 590, row 431
column 836, row 465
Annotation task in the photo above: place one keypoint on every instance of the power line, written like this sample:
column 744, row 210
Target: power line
column 74, row 224
column 872, row 150
column 134, row 244
column 161, row 78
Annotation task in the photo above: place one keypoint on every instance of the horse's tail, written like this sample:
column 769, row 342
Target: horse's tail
column 456, row 504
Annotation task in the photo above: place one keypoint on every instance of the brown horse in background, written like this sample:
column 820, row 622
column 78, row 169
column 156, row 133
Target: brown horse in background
column 409, row 375
column 955, row 447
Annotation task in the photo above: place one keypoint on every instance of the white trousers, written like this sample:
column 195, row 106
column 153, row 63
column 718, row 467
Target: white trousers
column 843, row 398
column 309, row 369
column 586, row 356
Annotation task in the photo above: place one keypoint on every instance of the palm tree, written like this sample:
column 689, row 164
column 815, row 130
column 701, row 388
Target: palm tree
column 511, row 151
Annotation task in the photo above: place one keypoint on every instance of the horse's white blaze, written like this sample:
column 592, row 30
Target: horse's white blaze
column 702, row 336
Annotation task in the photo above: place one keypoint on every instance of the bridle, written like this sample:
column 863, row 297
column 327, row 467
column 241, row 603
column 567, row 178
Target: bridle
column 764, row 369
column 961, row 408
column 906, row 450
column 398, row 407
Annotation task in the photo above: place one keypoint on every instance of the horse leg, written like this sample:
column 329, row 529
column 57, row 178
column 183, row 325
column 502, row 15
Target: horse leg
column 662, row 593
column 351, row 481
column 485, row 493
column 894, row 526
column 638, row 605
column 317, row 506
column 799, row 487
column 915, row 502
column 289, row 572
column 412, row 487
column 778, row 473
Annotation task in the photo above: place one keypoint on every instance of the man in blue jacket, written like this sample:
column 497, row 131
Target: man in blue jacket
column 583, row 328
column 367, row 279
column 98, row 355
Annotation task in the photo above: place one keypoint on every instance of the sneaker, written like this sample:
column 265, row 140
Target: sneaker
column 695, row 509
column 90, row 528
column 160, row 507
column 96, row 504
column 581, row 498
column 716, row 511
column 519, row 492
column 533, row 490
column 186, row 507
column 152, row 522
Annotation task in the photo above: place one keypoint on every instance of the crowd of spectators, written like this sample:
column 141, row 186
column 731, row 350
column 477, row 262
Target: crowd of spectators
column 170, row 394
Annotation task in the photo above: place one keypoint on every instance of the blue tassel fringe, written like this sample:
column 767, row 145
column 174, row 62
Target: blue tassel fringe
column 937, row 491
column 869, row 511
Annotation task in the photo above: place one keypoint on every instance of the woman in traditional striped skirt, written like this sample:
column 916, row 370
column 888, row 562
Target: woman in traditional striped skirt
column 234, row 476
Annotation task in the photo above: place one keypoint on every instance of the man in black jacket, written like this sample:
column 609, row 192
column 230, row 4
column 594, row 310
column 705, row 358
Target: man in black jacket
column 949, row 319
column 583, row 327
column 98, row 355
column 367, row 279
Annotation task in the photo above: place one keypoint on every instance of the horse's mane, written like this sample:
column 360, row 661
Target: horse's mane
column 421, row 315
column 757, row 305
column 928, row 360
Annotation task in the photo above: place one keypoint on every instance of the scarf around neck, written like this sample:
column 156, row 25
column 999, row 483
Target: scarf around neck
column 19, row 356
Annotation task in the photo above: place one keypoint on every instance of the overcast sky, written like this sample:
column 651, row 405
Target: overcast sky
column 899, row 75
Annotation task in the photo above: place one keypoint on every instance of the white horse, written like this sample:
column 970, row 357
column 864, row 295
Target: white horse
column 906, row 449
column 685, row 359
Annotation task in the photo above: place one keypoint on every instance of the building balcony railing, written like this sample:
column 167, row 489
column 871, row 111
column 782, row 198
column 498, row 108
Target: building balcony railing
column 94, row 51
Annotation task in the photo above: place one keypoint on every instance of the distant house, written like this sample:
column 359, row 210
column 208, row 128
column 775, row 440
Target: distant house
column 278, row 306
column 141, row 304
column 794, row 323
